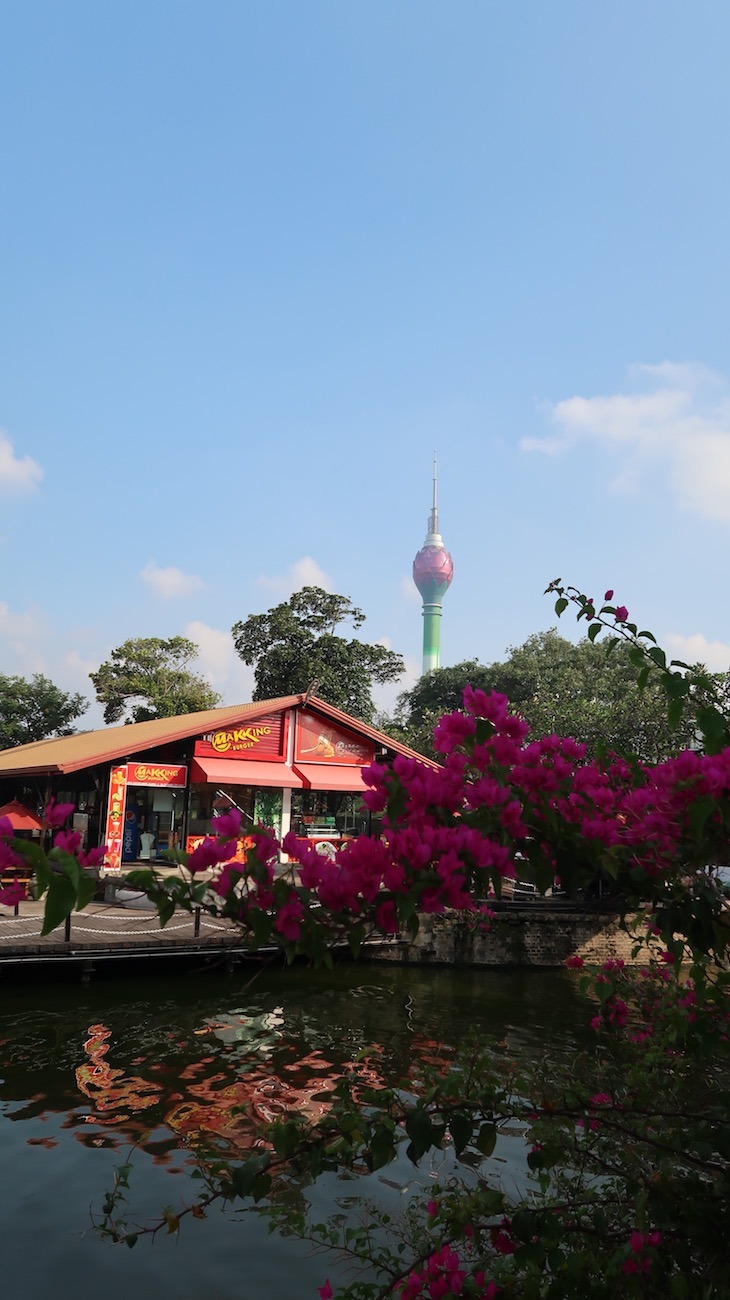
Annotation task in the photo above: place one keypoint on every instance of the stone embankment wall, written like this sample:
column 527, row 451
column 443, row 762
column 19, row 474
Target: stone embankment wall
column 530, row 936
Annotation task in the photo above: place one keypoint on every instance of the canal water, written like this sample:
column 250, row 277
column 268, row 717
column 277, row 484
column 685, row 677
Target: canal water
column 160, row 1070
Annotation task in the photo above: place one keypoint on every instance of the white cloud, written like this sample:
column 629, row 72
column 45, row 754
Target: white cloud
column 681, row 423
column 17, row 474
column 80, row 668
column 219, row 663
column 696, row 649
column 303, row 573
column 171, row 582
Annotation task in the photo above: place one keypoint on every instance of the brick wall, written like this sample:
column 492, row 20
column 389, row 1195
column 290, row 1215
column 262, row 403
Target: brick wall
column 521, row 937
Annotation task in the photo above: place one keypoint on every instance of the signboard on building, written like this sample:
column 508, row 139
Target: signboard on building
column 320, row 741
column 243, row 844
column 263, row 739
column 115, row 818
column 171, row 776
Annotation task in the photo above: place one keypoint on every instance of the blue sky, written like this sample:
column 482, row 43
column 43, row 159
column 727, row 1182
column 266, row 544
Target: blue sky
column 258, row 259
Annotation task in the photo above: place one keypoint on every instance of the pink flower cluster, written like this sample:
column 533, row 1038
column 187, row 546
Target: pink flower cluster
column 452, row 835
column 444, row 1274
column 638, row 1261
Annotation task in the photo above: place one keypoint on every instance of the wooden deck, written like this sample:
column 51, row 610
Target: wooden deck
column 109, row 932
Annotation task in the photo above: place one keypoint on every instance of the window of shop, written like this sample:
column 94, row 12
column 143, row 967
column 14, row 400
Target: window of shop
column 322, row 812
column 208, row 801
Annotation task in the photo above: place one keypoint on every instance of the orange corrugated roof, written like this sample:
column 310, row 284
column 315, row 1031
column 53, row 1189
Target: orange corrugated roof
column 89, row 748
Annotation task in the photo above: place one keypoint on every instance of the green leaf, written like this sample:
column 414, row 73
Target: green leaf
column 245, row 1176
column 165, row 910
column 675, row 712
column 420, row 1130
column 355, row 938
column 593, row 631
column 143, row 879
column 60, row 902
column 85, row 892
column 561, row 604
column 461, row 1130
column 713, row 728
column 32, row 853
column 382, row 1148
column 285, row 1138
column 487, row 1139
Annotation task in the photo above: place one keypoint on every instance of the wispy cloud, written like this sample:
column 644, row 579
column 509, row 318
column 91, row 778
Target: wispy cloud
column 696, row 649
column 678, row 420
column 303, row 573
column 219, row 663
column 17, row 473
column 170, row 583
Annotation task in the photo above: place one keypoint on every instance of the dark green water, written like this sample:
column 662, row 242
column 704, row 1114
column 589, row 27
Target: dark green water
column 159, row 1063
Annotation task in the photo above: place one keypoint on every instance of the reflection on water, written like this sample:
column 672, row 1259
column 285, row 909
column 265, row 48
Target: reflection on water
column 185, row 1069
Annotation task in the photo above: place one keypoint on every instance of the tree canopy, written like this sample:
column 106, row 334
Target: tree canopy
column 295, row 645
column 582, row 690
column 35, row 709
column 150, row 678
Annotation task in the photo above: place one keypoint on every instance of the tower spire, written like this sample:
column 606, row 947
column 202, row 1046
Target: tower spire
column 433, row 523
column 433, row 569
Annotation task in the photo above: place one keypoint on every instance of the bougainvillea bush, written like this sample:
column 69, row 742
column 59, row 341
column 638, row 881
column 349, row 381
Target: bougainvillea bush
column 628, row 1145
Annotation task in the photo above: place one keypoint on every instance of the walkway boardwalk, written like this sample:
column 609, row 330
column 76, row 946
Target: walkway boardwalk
column 104, row 931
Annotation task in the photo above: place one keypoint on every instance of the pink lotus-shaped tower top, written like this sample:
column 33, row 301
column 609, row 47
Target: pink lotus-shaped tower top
column 433, row 567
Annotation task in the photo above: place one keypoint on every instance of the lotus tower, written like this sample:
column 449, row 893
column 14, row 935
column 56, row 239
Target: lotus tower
column 433, row 569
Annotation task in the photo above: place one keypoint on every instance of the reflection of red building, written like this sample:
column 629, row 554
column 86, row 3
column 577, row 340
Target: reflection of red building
column 289, row 763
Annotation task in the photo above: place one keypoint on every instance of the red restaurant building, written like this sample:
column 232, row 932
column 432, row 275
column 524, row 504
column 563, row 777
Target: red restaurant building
column 293, row 763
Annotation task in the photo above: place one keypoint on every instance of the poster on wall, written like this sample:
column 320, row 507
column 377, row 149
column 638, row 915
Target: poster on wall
column 115, row 818
column 320, row 741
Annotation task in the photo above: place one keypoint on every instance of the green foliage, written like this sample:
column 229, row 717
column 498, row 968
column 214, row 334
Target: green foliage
column 35, row 709
column 697, row 702
column 294, row 645
column 150, row 678
column 588, row 691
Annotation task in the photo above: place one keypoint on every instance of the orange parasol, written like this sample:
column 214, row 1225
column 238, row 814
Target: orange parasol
column 20, row 817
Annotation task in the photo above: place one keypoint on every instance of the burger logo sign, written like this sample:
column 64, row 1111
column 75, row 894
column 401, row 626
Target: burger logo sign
column 236, row 739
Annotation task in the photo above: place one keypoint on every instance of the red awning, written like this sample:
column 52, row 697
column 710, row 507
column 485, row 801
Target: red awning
column 326, row 776
column 241, row 771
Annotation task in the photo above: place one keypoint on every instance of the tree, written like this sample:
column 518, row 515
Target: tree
column 436, row 693
column 627, row 1144
column 586, row 691
column 35, row 709
column 294, row 645
column 150, row 678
